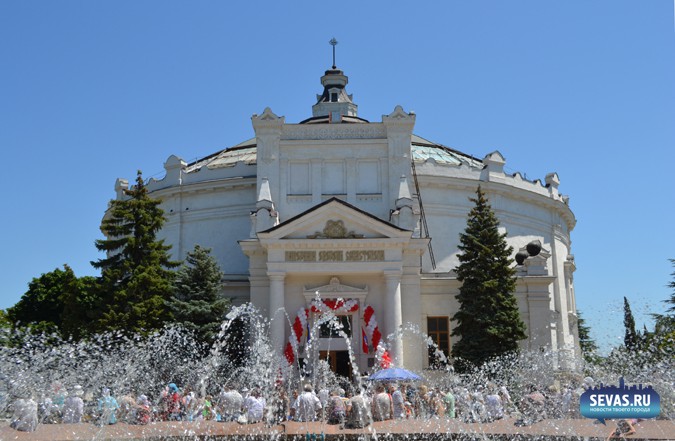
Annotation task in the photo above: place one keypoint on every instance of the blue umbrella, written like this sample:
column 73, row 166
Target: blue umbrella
column 394, row 374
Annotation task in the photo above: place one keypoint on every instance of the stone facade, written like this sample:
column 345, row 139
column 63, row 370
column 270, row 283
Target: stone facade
column 331, row 206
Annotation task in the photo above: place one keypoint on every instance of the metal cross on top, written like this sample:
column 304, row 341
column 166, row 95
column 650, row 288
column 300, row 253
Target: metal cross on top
column 333, row 42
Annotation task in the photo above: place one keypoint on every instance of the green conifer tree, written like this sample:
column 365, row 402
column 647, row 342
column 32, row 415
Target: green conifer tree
column 135, row 277
column 588, row 346
column 197, row 303
column 631, row 338
column 488, row 320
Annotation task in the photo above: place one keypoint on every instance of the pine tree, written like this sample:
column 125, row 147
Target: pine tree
column 588, row 346
column 488, row 320
column 196, row 302
column 631, row 338
column 662, row 340
column 135, row 277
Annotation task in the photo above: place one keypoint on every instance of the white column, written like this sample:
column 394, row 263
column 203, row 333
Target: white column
column 276, row 313
column 392, row 313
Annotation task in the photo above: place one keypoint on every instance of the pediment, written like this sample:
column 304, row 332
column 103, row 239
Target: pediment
column 334, row 290
column 334, row 220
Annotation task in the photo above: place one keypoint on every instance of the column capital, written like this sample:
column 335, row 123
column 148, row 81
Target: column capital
column 276, row 275
column 392, row 274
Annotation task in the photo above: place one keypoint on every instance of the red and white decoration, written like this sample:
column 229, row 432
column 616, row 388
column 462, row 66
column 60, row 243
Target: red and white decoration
column 298, row 328
column 335, row 305
column 372, row 331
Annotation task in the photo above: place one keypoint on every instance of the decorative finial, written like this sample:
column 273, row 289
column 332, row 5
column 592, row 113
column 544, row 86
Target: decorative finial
column 333, row 42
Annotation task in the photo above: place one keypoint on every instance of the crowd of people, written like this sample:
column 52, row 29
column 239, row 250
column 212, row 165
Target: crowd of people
column 351, row 407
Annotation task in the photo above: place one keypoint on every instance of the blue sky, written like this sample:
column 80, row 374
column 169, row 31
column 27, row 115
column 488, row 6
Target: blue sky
column 93, row 91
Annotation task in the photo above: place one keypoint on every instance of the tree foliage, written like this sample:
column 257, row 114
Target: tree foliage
column 57, row 301
column 135, row 280
column 631, row 338
column 589, row 349
column 488, row 319
column 197, row 303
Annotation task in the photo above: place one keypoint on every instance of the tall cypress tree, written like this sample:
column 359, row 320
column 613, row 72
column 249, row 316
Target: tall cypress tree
column 135, row 277
column 488, row 320
column 631, row 338
column 197, row 303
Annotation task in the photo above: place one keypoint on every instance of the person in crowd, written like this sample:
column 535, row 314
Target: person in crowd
column 323, row 396
column 207, row 408
column 449, row 402
column 381, row 406
column 170, row 406
column 189, row 404
column 358, row 415
column 422, row 403
column 306, row 405
column 143, row 412
column 398, row 402
column 291, row 409
column 107, row 408
column 463, row 405
column 494, row 409
column 623, row 429
column 280, row 405
column 532, row 407
column 437, row 404
column 566, row 400
column 255, row 406
column 127, row 408
column 505, row 396
column 230, row 403
column 336, row 410
column 24, row 411
column 553, row 402
column 56, row 401
column 73, row 406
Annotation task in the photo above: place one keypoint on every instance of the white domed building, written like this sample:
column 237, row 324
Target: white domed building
column 337, row 207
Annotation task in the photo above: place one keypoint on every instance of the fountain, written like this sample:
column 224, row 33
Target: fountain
column 133, row 365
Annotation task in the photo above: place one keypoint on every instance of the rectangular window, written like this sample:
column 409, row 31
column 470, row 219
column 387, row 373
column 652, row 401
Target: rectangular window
column 438, row 331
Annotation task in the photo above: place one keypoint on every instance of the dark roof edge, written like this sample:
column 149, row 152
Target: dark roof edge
column 326, row 202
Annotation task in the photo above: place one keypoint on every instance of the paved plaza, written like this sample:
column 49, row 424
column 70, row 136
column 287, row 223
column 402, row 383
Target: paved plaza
column 407, row 429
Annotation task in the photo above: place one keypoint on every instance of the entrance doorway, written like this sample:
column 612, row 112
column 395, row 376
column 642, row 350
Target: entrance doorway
column 338, row 361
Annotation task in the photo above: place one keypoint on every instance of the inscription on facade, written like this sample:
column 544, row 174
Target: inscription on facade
column 300, row 256
column 365, row 255
column 331, row 256
column 336, row 256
